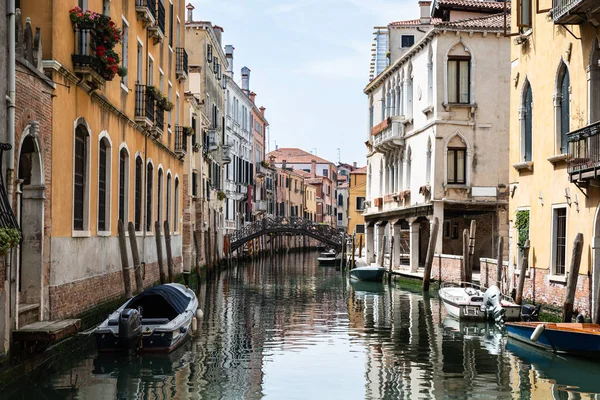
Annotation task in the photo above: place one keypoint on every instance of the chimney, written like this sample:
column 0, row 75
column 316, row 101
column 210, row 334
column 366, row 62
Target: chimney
column 229, row 56
column 354, row 165
column 313, row 168
column 271, row 161
column 218, row 33
column 246, row 80
column 252, row 96
column 425, row 12
column 262, row 111
column 283, row 164
column 190, row 9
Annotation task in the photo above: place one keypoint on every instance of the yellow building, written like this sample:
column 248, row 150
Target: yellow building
column 356, row 201
column 310, row 202
column 554, row 143
column 117, row 150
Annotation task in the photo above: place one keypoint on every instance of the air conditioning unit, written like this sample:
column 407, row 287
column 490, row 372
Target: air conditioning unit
column 213, row 140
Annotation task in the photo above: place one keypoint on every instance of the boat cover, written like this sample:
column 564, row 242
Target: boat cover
column 162, row 301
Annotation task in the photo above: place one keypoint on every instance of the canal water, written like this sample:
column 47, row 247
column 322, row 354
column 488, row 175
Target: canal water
column 289, row 329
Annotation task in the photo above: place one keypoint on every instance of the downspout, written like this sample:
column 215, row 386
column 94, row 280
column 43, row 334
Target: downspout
column 10, row 99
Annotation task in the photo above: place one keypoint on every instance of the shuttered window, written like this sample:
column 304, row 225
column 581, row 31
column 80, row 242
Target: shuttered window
column 102, row 189
column 565, row 117
column 139, row 170
column 123, row 172
column 149, row 195
column 560, row 240
column 169, row 192
column 528, row 124
column 176, row 207
column 80, row 178
column 159, row 197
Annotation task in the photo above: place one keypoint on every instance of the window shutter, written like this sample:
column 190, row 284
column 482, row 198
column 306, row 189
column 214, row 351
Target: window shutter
column 565, row 117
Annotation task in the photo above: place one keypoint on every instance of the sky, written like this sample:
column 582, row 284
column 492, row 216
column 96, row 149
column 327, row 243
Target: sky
column 309, row 62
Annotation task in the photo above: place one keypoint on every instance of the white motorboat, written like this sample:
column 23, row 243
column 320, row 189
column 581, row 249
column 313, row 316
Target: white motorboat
column 158, row 319
column 371, row 273
column 468, row 301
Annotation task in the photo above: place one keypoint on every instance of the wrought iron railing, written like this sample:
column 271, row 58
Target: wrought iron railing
column 181, row 61
column 161, row 16
column 149, row 5
column 562, row 7
column 7, row 216
column 144, row 102
column 159, row 122
column 180, row 140
column 584, row 149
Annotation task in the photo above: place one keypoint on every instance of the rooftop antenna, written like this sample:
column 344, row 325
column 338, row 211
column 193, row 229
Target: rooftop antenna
column 314, row 151
column 339, row 156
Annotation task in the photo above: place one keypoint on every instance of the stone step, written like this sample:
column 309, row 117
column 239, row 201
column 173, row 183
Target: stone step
column 28, row 313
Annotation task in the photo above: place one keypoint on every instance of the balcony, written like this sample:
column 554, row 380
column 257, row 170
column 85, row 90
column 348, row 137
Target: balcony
column 84, row 57
column 213, row 139
column 583, row 157
column 145, row 12
column 157, row 30
column 226, row 159
column 159, row 122
column 144, row 107
column 180, row 142
column 388, row 135
column 574, row 12
column 181, row 63
column 260, row 206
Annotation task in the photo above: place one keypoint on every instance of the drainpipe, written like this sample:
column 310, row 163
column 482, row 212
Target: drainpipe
column 10, row 99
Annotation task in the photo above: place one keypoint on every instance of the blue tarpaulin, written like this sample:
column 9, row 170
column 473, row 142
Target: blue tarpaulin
column 162, row 301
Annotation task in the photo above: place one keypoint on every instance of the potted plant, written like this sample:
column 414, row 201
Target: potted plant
column 9, row 238
column 196, row 148
column 188, row 131
column 154, row 92
column 221, row 195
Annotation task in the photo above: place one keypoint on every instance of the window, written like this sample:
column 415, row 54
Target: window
column 171, row 24
column 370, row 118
column 159, row 197
column 106, row 7
column 454, row 231
column 340, row 200
column 360, row 203
column 83, row 4
column 559, row 242
column 325, row 172
column 149, row 195
column 104, row 186
column 407, row 41
column 562, row 108
column 446, row 229
column 456, row 165
column 360, row 228
column 168, row 211
column 594, row 84
column 80, row 176
column 140, row 62
column 526, row 123
column 459, row 78
column 125, row 50
column 194, row 183
column 137, row 212
column 176, row 207
column 409, row 92
column 123, row 185
column 150, row 71
column 524, row 14
column 340, row 216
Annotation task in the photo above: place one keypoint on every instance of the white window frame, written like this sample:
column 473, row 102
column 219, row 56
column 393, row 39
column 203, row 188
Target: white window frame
column 125, row 53
column 126, row 184
column 108, row 179
column 554, row 275
column 86, row 201
column 145, row 199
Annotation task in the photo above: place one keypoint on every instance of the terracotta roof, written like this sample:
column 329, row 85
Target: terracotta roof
column 302, row 173
column 361, row 170
column 295, row 155
column 478, row 4
column 495, row 21
column 409, row 22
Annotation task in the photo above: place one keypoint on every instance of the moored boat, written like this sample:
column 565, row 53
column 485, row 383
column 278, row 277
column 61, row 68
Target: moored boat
column 158, row 319
column 328, row 261
column 567, row 337
column 465, row 300
column 372, row 273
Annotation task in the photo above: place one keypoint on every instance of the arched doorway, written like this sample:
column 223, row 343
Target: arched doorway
column 31, row 220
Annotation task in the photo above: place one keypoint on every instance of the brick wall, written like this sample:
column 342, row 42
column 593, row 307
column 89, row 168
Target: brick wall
column 446, row 267
column 72, row 299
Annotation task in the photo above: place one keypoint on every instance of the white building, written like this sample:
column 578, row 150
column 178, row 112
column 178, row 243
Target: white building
column 239, row 173
column 438, row 135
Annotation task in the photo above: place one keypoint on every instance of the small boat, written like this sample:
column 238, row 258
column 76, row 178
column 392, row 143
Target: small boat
column 328, row 253
column 468, row 301
column 158, row 319
column 329, row 260
column 568, row 337
column 371, row 273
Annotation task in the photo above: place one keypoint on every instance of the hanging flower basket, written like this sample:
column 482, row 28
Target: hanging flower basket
column 221, row 195
column 9, row 238
column 165, row 103
column 196, row 148
column 104, row 36
column 188, row 130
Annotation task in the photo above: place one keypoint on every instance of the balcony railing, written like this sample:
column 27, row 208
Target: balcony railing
column 144, row 106
column 181, row 63
column 145, row 11
column 389, row 134
column 573, row 12
column 159, row 123
column 180, row 141
column 584, row 153
column 84, row 57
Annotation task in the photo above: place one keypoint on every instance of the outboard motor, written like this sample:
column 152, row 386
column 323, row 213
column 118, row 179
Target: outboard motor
column 491, row 302
column 529, row 312
column 130, row 329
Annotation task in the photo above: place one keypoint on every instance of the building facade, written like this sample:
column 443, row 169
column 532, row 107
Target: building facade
column 554, row 149
column 115, row 156
column 356, row 201
column 437, row 142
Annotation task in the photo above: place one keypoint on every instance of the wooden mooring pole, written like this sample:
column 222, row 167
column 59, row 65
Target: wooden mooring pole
column 353, row 259
column 572, row 278
column 124, row 259
column 524, row 265
column 391, row 269
column 472, row 248
column 464, row 273
column 499, row 263
column 197, row 245
column 159, row 253
column 430, row 253
column 360, row 243
column 139, row 282
column 169, row 252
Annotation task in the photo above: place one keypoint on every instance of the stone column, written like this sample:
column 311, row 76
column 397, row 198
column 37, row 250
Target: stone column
column 396, row 233
column 438, row 211
column 380, row 243
column 370, row 244
column 414, row 244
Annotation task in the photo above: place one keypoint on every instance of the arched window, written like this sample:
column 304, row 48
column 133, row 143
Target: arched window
column 124, row 186
column 408, row 167
column 81, row 179
column 430, row 78
column 381, row 183
column 176, row 207
column 369, row 181
column 562, row 108
column 104, row 163
column 139, row 172
column 459, row 76
column 169, row 200
column 340, row 200
column 149, row 195
column 159, row 197
column 594, row 84
column 400, row 173
column 526, row 122
column 409, row 92
column 428, row 166
column 456, row 161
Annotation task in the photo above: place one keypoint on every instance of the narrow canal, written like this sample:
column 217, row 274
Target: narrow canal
column 294, row 330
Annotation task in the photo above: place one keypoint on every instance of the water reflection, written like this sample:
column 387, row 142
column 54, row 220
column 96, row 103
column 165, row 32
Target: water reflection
column 291, row 329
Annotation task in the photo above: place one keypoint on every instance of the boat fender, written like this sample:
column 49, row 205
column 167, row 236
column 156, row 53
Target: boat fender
column 194, row 325
column 537, row 332
column 199, row 314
